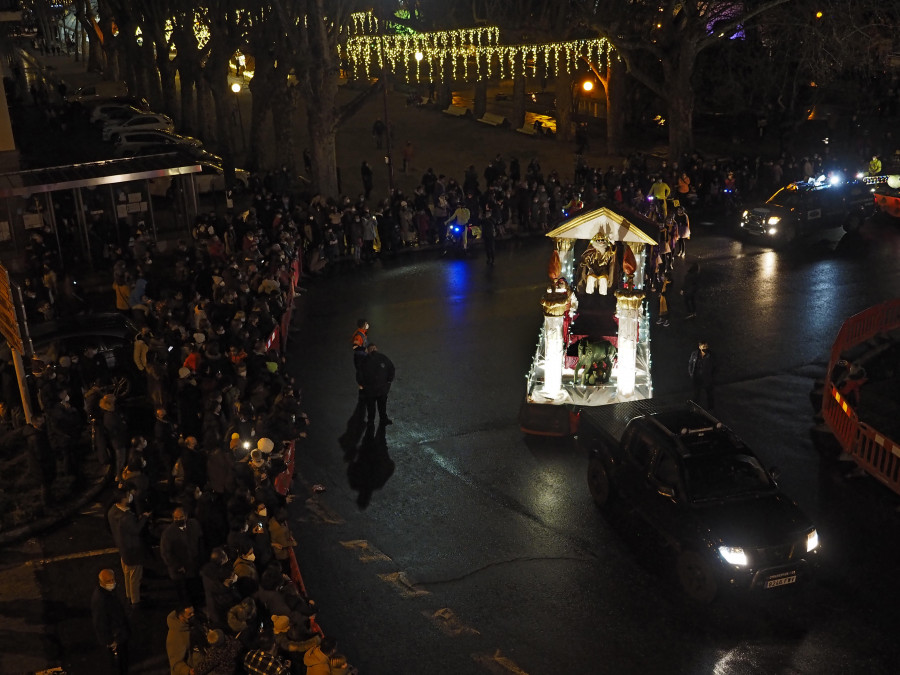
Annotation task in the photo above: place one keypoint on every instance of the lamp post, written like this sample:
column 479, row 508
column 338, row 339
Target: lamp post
column 236, row 88
column 388, row 158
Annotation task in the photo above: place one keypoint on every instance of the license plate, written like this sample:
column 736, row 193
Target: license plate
column 783, row 581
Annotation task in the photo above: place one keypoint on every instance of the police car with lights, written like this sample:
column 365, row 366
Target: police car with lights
column 813, row 210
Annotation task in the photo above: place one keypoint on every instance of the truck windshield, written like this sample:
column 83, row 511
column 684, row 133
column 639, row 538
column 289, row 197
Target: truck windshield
column 724, row 475
column 787, row 197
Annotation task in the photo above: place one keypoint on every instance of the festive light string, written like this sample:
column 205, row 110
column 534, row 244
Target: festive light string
column 450, row 53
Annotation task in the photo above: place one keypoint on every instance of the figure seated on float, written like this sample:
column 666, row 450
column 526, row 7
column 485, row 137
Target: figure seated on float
column 595, row 269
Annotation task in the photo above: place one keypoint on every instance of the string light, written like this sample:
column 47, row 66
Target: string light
column 478, row 47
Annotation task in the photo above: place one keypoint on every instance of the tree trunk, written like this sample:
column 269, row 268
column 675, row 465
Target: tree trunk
column 152, row 75
column 681, row 113
column 445, row 90
column 677, row 72
column 615, row 107
column 262, row 93
column 518, row 113
column 168, row 89
column 205, row 127
column 188, row 102
column 480, row 105
column 564, row 107
column 323, row 147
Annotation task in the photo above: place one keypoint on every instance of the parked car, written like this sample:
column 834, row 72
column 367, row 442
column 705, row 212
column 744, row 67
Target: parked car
column 129, row 141
column 210, row 179
column 107, row 112
column 97, row 92
column 142, row 122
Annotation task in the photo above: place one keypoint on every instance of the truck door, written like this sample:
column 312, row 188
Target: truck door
column 640, row 446
column 665, row 493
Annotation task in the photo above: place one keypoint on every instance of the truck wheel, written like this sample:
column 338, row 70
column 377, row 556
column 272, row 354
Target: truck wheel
column 852, row 224
column 598, row 482
column 788, row 235
column 696, row 577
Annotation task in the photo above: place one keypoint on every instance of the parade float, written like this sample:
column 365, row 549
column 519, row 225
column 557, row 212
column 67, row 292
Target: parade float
column 594, row 344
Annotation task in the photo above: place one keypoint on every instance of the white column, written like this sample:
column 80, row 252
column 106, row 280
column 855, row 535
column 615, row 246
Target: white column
column 628, row 310
column 553, row 356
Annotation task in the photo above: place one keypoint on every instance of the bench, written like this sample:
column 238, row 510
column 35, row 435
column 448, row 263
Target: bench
column 528, row 129
column 493, row 120
column 457, row 111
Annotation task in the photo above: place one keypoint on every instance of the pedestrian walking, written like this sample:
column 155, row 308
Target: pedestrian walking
column 374, row 376
column 366, row 172
column 663, row 319
column 682, row 231
column 689, row 289
column 407, row 156
column 489, row 234
column 127, row 532
column 378, row 130
column 702, row 370
column 110, row 622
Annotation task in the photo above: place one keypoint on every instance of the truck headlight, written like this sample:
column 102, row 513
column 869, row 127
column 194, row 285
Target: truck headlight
column 734, row 556
column 774, row 220
column 812, row 541
column 745, row 214
column 773, row 230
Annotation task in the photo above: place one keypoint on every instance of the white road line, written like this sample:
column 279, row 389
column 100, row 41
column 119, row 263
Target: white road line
column 366, row 552
column 73, row 556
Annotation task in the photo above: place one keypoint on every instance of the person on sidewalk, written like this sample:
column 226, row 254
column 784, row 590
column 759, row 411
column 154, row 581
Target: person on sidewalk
column 110, row 622
column 181, row 548
column 126, row 530
column 182, row 658
column 374, row 376
column 702, row 370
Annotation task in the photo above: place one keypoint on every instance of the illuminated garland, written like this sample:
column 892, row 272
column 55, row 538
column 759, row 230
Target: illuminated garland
column 446, row 54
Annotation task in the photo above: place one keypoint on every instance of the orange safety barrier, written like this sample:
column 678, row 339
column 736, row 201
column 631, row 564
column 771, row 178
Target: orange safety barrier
column 878, row 455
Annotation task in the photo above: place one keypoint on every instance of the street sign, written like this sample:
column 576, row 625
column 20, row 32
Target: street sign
column 9, row 322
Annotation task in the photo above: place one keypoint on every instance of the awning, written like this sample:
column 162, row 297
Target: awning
column 618, row 224
column 92, row 174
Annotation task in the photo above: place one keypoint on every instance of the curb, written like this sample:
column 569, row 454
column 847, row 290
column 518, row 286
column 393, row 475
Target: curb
column 23, row 531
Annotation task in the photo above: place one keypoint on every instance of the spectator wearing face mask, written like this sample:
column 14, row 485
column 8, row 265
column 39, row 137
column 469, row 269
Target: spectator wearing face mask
column 182, row 659
column 218, row 579
column 110, row 622
column 180, row 547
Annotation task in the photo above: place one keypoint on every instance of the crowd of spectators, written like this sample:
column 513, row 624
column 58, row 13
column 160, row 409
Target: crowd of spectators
column 221, row 410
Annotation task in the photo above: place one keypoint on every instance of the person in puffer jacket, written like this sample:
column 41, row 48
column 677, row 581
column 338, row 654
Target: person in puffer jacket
column 323, row 659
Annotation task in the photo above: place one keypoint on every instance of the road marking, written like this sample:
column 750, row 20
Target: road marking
column 448, row 623
column 367, row 552
column 402, row 584
column 322, row 512
column 497, row 663
column 73, row 556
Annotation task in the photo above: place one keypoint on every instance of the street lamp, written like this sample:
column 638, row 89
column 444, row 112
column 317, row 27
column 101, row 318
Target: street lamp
column 236, row 88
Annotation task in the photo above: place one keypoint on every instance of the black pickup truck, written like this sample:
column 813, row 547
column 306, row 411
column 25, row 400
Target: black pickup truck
column 809, row 211
column 705, row 492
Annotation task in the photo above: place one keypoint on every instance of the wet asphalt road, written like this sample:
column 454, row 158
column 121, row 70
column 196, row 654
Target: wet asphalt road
column 482, row 551
column 478, row 549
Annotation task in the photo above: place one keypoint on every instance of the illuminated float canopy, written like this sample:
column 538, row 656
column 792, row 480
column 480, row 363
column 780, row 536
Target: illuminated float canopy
column 601, row 319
